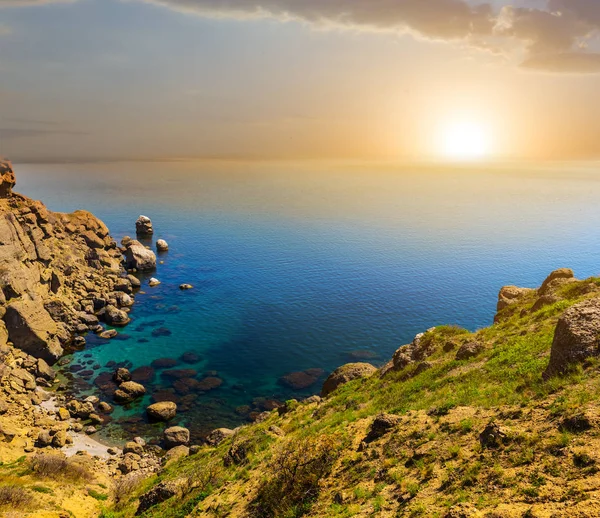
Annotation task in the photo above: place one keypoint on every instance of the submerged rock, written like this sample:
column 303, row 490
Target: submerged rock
column 143, row 226
column 164, row 363
column 346, row 373
column 301, row 380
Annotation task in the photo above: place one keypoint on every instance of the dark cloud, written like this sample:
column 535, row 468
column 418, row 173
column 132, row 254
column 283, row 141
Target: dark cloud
column 554, row 37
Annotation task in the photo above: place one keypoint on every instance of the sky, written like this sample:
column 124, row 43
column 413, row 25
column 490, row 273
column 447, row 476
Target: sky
column 385, row 80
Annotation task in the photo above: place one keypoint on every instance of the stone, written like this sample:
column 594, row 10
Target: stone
column 382, row 424
column 108, row 334
column 134, row 281
column 130, row 462
column 575, row 337
column 44, row 439
column 31, row 329
column 63, row 414
column 121, row 375
column 59, row 439
column 190, row 357
column 128, row 391
column 159, row 494
column 104, row 407
column 492, row 436
column 346, row 373
column 143, row 226
column 95, row 418
column 217, row 436
column 143, row 374
column 7, row 178
column 301, row 380
column 164, row 363
column 469, row 350
column 176, row 436
column 133, row 447
column 3, row 407
column 138, row 257
column 510, row 295
column 123, row 300
column 115, row 317
column 90, row 430
column 162, row 245
column 555, row 279
column 153, row 282
column 176, row 453
column 162, row 411
column 185, row 287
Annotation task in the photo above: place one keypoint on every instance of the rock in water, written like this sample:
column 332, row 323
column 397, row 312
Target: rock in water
column 185, row 287
column 153, row 282
column 575, row 337
column 162, row 245
column 346, row 373
column 31, row 329
column 139, row 257
column 162, row 411
column 143, row 226
column 7, row 178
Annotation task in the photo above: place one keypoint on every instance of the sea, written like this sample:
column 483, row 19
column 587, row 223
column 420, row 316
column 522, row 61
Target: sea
column 303, row 267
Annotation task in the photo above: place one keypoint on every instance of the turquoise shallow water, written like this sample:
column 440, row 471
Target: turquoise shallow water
column 308, row 267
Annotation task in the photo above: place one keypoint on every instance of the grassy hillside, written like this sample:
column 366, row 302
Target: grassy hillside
column 484, row 436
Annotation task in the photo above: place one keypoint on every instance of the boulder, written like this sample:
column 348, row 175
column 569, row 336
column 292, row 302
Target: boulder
column 115, row 317
column 139, row 257
column 162, row 411
column 153, row 282
column 143, row 226
column 7, row 178
column 176, row 453
column 162, row 245
column 469, row 350
column 159, row 493
column 31, row 329
column 130, row 462
column 176, row 436
column 185, row 287
column 382, row 424
column 133, row 447
column 555, row 279
column 575, row 337
column 128, row 391
column 121, row 375
column 44, row 371
column 217, row 436
column 346, row 373
column 511, row 294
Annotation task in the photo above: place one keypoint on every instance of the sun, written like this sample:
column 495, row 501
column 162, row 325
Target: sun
column 464, row 140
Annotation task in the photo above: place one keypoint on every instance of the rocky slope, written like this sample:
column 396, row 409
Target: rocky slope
column 503, row 422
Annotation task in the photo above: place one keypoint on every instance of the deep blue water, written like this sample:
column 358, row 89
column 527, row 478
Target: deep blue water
column 302, row 267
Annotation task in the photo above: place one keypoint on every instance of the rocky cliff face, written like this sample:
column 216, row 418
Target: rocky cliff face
column 56, row 271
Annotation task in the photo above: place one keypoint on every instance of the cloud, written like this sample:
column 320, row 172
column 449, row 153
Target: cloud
column 573, row 62
column 554, row 38
column 554, row 34
column 29, row 3
column 19, row 133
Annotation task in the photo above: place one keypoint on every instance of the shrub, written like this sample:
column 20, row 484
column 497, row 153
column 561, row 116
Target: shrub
column 14, row 497
column 297, row 469
column 57, row 466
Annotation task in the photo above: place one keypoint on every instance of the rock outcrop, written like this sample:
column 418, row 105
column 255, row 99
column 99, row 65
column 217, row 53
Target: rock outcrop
column 576, row 337
column 7, row 178
column 31, row 328
column 346, row 373
column 143, row 226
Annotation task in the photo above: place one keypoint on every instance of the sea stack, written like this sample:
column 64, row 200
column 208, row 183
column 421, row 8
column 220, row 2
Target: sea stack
column 143, row 226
